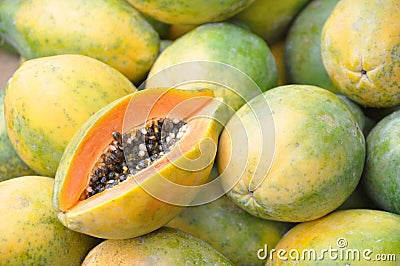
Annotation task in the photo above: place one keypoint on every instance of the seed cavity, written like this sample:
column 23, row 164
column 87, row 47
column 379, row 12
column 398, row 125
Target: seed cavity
column 133, row 151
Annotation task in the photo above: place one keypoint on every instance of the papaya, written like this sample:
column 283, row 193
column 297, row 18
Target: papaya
column 297, row 162
column 234, row 62
column 11, row 165
column 356, row 110
column 110, row 31
column 30, row 231
column 360, row 44
column 346, row 237
column 381, row 177
column 137, row 162
column 165, row 246
column 47, row 99
column 364, row 121
column 230, row 230
column 303, row 59
column 193, row 12
column 270, row 19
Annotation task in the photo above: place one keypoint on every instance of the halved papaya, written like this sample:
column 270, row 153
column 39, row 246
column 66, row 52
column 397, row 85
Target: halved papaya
column 138, row 197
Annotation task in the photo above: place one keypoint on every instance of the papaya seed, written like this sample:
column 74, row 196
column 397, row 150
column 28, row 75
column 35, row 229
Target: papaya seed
column 133, row 151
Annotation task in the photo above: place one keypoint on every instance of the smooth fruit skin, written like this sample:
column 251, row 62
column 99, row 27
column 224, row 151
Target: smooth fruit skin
column 381, row 177
column 190, row 12
column 165, row 246
column 356, row 110
column 30, row 231
column 349, row 237
column 270, row 19
column 110, row 31
column 11, row 165
column 48, row 99
column 303, row 59
column 318, row 161
column 129, row 210
column 360, row 45
column 224, row 43
column 229, row 229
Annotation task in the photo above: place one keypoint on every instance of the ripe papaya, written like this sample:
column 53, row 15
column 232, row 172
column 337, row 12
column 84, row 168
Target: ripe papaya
column 308, row 174
column 354, row 237
column 30, row 231
column 49, row 98
column 135, row 163
column 164, row 247
column 360, row 46
column 11, row 165
column 110, row 31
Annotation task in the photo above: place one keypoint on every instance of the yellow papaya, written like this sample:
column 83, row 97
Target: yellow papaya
column 135, row 163
column 110, row 31
column 360, row 46
column 49, row 98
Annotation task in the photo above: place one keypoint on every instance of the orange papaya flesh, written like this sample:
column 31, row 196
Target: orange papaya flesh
column 120, row 212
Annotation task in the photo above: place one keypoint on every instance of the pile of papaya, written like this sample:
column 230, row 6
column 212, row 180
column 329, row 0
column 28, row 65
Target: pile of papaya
column 204, row 132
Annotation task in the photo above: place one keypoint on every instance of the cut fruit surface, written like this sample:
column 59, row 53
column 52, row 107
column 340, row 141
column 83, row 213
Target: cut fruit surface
column 149, row 196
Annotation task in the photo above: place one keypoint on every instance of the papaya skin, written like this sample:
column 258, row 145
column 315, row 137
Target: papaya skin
column 194, row 12
column 128, row 210
column 360, row 46
column 303, row 46
column 11, row 165
column 165, row 246
column 345, row 231
column 110, row 31
column 229, row 44
column 229, row 229
column 381, row 178
column 30, row 231
column 311, row 175
column 356, row 110
column 66, row 90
